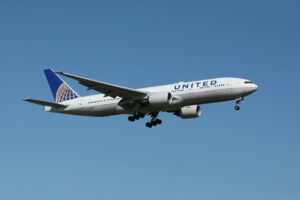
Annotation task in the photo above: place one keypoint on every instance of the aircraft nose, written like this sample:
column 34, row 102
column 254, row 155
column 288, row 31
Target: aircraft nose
column 255, row 87
column 250, row 88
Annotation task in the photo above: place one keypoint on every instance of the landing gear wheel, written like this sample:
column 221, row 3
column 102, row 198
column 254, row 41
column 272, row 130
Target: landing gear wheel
column 136, row 117
column 237, row 107
column 131, row 118
column 149, row 125
column 154, row 122
column 158, row 121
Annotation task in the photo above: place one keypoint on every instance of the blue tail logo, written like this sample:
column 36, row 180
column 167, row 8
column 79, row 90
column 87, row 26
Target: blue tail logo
column 60, row 89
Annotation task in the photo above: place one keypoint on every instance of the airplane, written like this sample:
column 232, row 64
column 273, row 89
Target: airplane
column 183, row 99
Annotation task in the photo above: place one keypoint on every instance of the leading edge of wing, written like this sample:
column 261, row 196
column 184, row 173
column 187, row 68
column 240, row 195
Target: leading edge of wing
column 106, row 88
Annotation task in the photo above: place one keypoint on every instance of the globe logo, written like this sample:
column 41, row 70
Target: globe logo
column 64, row 93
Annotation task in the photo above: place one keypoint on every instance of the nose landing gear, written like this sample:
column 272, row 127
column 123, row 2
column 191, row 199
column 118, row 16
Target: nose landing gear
column 237, row 107
column 237, row 103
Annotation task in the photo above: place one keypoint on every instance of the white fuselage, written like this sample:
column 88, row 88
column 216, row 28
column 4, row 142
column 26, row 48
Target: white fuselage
column 185, row 93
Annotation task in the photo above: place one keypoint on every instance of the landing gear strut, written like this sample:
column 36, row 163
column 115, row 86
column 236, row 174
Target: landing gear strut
column 237, row 103
column 154, row 121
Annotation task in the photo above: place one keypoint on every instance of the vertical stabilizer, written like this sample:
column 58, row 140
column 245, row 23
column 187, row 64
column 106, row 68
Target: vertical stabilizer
column 60, row 89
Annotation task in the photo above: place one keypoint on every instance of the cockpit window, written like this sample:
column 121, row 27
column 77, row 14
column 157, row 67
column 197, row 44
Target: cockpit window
column 248, row 82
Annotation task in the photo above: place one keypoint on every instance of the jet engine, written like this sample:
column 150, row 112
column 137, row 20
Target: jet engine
column 188, row 112
column 160, row 99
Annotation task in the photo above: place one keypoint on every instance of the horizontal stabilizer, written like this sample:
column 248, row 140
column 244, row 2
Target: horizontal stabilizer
column 45, row 103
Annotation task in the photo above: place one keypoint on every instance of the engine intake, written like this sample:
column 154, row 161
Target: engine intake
column 188, row 112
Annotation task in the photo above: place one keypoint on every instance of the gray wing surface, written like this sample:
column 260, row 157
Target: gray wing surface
column 107, row 88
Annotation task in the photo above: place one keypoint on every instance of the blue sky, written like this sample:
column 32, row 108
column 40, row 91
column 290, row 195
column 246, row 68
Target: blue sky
column 251, row 154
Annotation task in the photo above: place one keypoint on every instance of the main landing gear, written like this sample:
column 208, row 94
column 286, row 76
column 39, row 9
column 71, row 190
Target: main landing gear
column 237, row 103
column 136, row 116
column 154, row 121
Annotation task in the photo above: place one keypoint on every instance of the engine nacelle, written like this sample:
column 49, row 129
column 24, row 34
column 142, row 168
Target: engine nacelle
column 188, row 112
column 160, row 99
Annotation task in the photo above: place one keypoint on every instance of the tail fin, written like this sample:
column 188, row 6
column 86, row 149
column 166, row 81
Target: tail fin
column 60, row 89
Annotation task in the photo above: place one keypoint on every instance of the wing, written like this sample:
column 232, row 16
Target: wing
column 45, row 103
column 106, row 88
